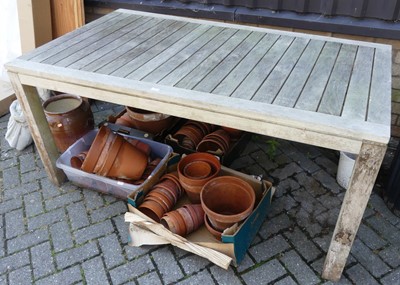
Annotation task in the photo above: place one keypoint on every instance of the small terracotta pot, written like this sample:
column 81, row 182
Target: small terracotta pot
column 152, row 209
column 97, row 146
column 196, row 212
column 148, row 121
column 187, row 218
column 143, row 147
column 125, row 120
column 174, row 222
column 227, row 200
column 233, row 133
column 197, row 169
column 77, row 160
column 217, row 234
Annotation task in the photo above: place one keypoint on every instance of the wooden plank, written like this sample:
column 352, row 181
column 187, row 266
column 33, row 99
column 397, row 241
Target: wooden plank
column 127, row 49
column 231, row 61
column 229, row 84
column 290, row 91
column 365, row 171
column 97, row 48
column 32, row 107
column 249, row 86
column 335, row 92
column 153, row 51
column 275, row 80
column 379, row 106
column 70, row 36
column 84, row 43
column 197, row 74
column 67, row 16
column 7, row 96
column 175, row 48
column 311, row 95
column 179, row 58
column 197, row 58
column 356, row 103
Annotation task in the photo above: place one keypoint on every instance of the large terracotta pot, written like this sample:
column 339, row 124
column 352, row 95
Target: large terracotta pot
column 69, row 118
column 227, row 200
column 148, row 121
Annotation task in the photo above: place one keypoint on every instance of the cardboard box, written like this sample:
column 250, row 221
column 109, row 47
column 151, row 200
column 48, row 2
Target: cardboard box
column 106, row 185
column 235, row 240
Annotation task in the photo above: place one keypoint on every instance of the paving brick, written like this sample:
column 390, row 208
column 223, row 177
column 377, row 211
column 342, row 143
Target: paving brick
column 122, row 228
column 21, row 276
column 300, row 270
column 359, row 275
column 310, row 183
column 284, row 203
column 27, row 240
column 14, row 261
column 93, row 231
column 150, row 279
column 49, row 190
column 67, row 276
column 93, row 199
column 167, row 266
column 76, row 255
column 242, row 162
column 94, row 272
column 286, row 171
column 370, row 238
column 263, row 160
column 392, row 278
column 286, row 281
column 368, row 259
column 275, row 225
column 7, row 163
column 304, row 245
column 77, row 215
column 384, row 228
column 46, row 219
column 61, row 236
column 193, row 263
column 245, row 264
column 327, row 164
column 11, row 177
column 10, row 205
column 380, row 206
column 17, row 192
column 33, row 175
column 391, row 255
column 305, row 162
column 109, row 211
column 307, row 221
column 3, row 279
column 33, row 204
column 264, row 273
column 14, row 223
column 282, row 159
column 63, row 200
column 27, row 162
column 250, row 147
column 308, row 202
column 112, row 251
column 286, row 186
column 327, row 181
column 130, row 270
column 223, row 276
column 328, row 218
column 269, row 248
column 42, row 260
column 133, row 252
column 109, row 199
column 329, row 201
column 203, row 277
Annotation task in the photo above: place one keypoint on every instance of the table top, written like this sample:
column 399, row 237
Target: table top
column 324, row 85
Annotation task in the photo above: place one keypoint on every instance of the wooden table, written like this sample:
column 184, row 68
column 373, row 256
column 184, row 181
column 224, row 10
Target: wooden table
column 316, row 90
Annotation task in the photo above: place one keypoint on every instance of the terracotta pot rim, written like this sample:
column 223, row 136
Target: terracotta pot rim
column 91, row 159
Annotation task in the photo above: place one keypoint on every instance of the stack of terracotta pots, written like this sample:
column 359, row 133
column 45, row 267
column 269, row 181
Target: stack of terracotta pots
column 192, row 132
column 226, row 200
column 162, row 197
column 184, row 220
column 216, row 141
column 111, row 155
column 195, row 170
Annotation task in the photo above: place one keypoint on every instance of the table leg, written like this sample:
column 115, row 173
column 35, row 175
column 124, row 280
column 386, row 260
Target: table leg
column 29, row 100
column 365, row 171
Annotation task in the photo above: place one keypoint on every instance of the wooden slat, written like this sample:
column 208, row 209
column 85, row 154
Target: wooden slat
column 271, row 86
column 152, row 52
column 356, row 102
column 197, row 74
column 229, row 84
column 129, row 48
column 72, row 48
column 192, row 62
column 175, row 48
column 313, row 90
column 379, row 105
column 225, row 66
column 105, row 43
column 179, row 58
column 290, row 91
column 335, row 92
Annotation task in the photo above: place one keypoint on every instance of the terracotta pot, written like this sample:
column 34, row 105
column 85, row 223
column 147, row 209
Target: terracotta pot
column 77, row 160
column 187, row 218
column 174, row 222
column 196, row 212
column 125, row 120
column 193, row 186
column 197, row 170
column 148, row 121
column 233, row 133
column 97, row 146
column 227, row 200
column 218, row 140
column 69, row 118
column 216, row 233
column 143, row 147
column 152, row 209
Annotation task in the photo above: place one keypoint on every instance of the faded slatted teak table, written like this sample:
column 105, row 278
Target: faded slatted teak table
column 321, row 91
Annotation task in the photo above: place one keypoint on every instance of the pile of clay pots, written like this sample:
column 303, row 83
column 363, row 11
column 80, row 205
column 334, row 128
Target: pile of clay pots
column 204, row 137
column 217, row 201
column 113, row 156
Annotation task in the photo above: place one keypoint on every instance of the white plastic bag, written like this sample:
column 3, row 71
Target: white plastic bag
column 18, row 135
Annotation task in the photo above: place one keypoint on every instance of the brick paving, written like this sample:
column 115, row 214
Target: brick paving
column 69, row 235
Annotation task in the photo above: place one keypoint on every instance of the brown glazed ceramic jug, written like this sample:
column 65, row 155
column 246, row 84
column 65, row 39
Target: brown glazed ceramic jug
column 69, row 118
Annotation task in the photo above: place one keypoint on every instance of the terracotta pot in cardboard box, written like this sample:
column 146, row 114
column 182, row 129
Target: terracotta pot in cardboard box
column 235, row 240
